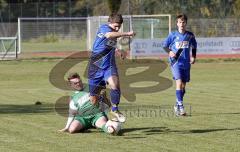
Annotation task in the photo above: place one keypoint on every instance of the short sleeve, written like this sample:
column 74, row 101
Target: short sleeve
column 167, row 41
column 103, row 30
column 72, row 105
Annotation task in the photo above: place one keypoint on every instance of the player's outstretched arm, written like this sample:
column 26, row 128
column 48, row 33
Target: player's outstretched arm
column 119, row 34
column 72, row 112
column 63, row 130
column 69, row 121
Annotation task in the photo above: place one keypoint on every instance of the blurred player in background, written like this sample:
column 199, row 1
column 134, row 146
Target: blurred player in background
column 82, row 113
column 178, row 45
column 102, row 65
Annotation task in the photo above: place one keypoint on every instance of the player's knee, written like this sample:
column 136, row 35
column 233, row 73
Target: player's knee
column 71, row 130
column 114, row 87
column 114, row 84
column 101, row 121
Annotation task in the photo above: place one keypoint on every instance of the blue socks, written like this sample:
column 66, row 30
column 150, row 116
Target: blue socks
column 115, row 98
column 179, row 96
column 114, row 108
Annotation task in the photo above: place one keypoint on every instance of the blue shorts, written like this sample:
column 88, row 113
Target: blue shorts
column 180, row 73
column 98, row 77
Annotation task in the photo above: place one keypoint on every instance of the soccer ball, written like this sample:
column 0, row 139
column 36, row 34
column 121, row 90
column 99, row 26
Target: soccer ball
column 113, row 126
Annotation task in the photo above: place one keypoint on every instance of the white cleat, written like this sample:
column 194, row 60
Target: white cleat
column 176, row 110
column 118, row 116
column 182, row 112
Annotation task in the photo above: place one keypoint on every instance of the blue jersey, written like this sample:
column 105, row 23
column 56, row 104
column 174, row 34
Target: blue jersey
column 103, row 53
column 181, row 44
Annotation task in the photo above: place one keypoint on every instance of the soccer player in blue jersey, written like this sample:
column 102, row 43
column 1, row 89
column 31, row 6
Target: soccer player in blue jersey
column 178, row 45
column 102, row 66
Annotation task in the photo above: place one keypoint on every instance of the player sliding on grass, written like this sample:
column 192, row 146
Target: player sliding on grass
column 102, row 65
column 178, row 45
column 82, row 113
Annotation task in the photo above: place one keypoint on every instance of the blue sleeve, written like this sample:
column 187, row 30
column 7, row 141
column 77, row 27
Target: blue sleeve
column 168, row 41
column 103, row 30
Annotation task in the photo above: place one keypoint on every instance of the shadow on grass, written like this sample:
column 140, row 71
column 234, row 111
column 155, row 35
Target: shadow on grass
column 163, row 130
column 218, row 114
column 144, row 130
column 208, row 130
column 31, row 108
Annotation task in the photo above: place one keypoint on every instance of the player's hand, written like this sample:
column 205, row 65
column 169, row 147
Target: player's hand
column 121, row 53
column 192, row 60
column 131, row 33
column 172, row 54
column 63, row 130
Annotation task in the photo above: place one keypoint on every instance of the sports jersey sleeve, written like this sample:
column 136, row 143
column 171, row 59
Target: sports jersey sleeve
column 104, row 29
column 101, row 33
column 69, row 121
column 101, row 43
column 72, row 106
column 167, row 42
column 71, row 114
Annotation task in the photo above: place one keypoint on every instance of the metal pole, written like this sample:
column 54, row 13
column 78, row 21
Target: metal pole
column 152, row 29
column 16, row 51
column 19, row 36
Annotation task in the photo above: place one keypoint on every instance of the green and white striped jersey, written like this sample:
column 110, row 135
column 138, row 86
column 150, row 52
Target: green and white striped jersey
column 80, row 101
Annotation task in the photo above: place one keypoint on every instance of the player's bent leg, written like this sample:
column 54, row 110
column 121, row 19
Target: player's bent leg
column 94, row 94
column 95, row 86
column 113, row 82
column 101, row 123
column 115, row 92
column 115, row 99
column 115, row 95
column 75, row 126
column 104, row 99
column 179, row 84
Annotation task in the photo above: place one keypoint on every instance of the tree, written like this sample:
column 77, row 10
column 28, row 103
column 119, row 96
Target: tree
column 236, row 8
column 114, row 5
column 3, row 4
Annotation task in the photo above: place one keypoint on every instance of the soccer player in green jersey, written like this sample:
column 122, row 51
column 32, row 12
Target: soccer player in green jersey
column 82, row 113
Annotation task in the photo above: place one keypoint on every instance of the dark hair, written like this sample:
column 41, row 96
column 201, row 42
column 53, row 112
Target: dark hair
column 182, row 17
column 115, row 18
column 73, row 76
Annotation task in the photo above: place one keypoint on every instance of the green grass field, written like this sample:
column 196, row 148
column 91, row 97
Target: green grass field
column 214, row 125
column 60, row 46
